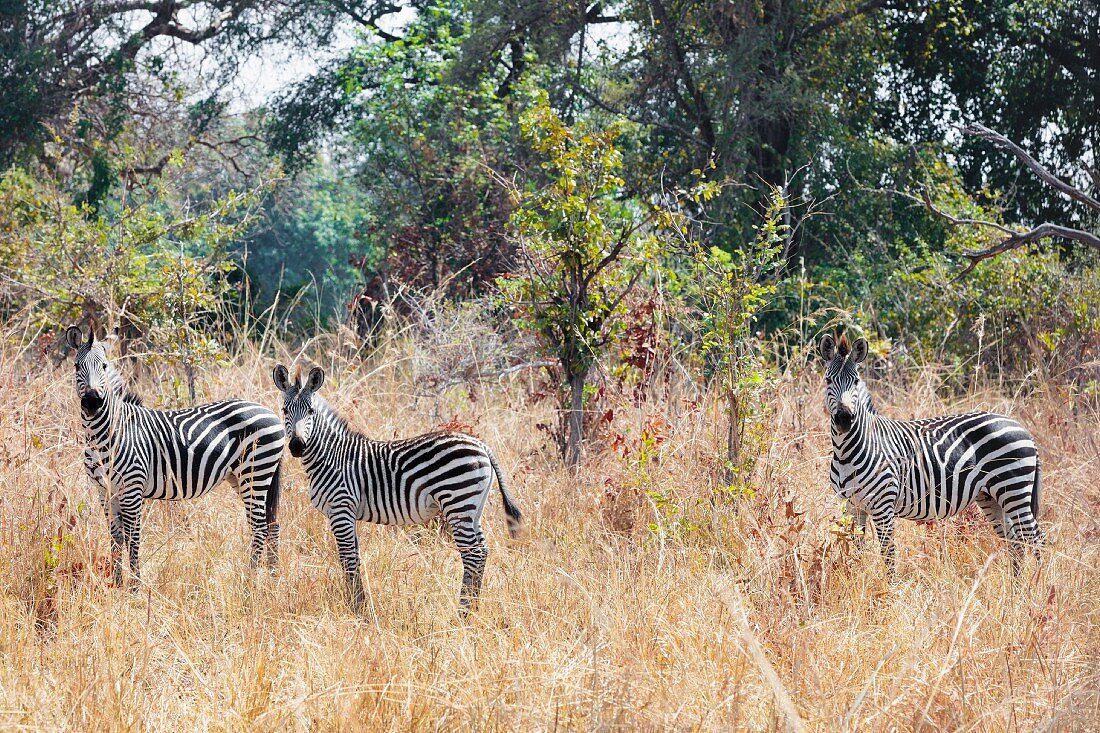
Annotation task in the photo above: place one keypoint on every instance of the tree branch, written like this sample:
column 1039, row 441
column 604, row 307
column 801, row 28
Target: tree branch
column 927, row 201
column 1042, row 231
column 699, row 100
column 605, row 106
column 370, row 21
column 978, row 130
column 1013, row 240
column 843, row 16
column 1073, row 64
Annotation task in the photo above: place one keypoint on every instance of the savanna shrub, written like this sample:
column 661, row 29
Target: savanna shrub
column 145, row 263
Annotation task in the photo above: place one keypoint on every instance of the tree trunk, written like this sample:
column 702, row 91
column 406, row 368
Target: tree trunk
column 189, row 370
column 576, row 418
column 733, row 438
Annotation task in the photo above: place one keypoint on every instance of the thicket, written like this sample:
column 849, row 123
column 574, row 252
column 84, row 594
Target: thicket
column 686, row 200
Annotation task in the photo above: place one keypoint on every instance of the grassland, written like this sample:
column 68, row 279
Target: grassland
column 633, row 601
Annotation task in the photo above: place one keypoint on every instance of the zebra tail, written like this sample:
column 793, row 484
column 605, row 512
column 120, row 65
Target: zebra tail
column 515, row 517
column 1035, row 495
column 271, row 506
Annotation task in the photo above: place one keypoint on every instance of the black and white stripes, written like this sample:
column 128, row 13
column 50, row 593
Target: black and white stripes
column 922, row 469
column 353, row 478
column 133, row 453
column 926, row 469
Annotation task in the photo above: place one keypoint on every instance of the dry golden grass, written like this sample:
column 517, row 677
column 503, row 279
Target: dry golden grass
column 741, row 614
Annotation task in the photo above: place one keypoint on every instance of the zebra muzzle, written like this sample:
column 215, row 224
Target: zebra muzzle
column 843, row 419
column 91, row 402
column 297, row 447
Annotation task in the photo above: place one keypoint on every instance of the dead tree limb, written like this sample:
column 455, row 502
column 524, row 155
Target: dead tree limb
column 978, row 130
column 1014, row 238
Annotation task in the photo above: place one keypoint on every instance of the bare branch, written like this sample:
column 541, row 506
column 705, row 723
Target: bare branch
column 1042, row 231
column 197, row 35
column 371, row 20
column 1014, row 240
column 978, row 130
column 927, row 201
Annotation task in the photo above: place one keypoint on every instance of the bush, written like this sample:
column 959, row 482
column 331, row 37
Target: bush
column 145, row 264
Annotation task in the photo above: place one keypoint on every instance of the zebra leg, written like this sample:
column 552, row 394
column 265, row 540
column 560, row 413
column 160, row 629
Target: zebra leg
column 347, row 542
column 473, row 569
column 1027, row 528
column 859, row 525
column 257, row 522
column 472, row 548
column 271, row 516
column 112, row 512
column 884, row 519
column 255, row 502
column 996, row 516
column 993, row 513
column 272, row 557
column 118, row 542
column 1023, row 532
column 130, row 515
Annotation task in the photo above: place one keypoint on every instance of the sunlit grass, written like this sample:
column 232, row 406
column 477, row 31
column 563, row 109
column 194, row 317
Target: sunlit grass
column 717, row 617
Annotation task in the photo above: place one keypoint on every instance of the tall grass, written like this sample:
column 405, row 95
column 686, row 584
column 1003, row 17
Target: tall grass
column 638, row 597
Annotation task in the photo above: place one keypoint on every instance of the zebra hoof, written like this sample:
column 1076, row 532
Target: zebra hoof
column 466, row 606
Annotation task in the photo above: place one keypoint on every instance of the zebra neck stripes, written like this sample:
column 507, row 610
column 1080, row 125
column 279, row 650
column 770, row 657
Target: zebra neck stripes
column 330, row 436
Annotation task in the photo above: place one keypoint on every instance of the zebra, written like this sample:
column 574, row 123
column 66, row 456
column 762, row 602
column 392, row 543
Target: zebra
column 353, row 478
column 926, row 469
column 133, row 453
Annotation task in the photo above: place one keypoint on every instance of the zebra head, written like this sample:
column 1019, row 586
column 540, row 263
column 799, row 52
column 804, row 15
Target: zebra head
column 95, row 377
column 299, row 411
column 845, row 393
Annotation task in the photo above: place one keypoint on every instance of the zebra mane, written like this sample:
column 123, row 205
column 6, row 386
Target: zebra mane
column 322, row 405
column 118, row 385
column 843, row 347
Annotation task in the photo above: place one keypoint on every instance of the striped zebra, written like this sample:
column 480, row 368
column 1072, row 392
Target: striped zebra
column 399, row 482
column 133, row 453
column 926, row 469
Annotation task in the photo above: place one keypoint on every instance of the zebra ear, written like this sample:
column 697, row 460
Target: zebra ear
column 73, row 336
column 827, row 347
column 110, row 342
column 859, row 350
column 281, row 377
column 315, row 379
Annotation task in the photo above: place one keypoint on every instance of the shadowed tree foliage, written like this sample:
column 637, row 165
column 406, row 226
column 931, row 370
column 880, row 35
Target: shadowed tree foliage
column 1030, row 70
column 396, row 145
column 99, row 66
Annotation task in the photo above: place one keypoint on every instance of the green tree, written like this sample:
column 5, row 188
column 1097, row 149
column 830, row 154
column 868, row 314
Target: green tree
column 57, row 54
column 757, row 90
column 1030, row 70
column 421, row 148
column 308, row 242
column 730, row 291
column 145, row 263
column 584, row 248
